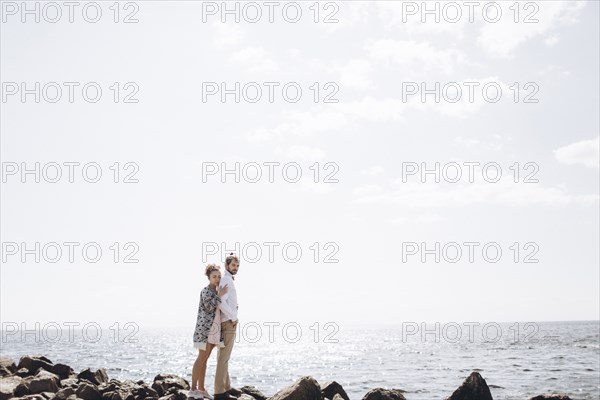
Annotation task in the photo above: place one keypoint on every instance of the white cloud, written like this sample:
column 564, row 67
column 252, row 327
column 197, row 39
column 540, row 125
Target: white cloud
column 468, row 103
column 419, row 219
column 551, row 40
column 417, row 56
column 226, row 34
column 254, row 59
column 501, row 39
column 504, row 192
column 584, row 152
column 554, row 69
column 374, row 170
column 367, row 190
column 355, row 74
column 306, row 184
column 394, row 18
column 303, row 153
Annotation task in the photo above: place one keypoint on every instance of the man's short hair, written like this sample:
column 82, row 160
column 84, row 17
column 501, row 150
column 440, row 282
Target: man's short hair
column 231, row 258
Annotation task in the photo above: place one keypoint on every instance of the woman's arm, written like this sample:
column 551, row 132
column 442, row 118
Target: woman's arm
column 210, row 300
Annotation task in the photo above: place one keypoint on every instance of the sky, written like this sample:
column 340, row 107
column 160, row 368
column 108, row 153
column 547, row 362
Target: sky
column 369, row 164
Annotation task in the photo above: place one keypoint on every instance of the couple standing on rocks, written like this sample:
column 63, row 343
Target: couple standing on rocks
column 216, row 326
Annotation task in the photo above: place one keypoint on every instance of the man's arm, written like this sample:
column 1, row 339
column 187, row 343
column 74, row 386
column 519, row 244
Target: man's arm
column 225, row 307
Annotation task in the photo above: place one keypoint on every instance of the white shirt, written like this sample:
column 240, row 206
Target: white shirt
column 229, row 304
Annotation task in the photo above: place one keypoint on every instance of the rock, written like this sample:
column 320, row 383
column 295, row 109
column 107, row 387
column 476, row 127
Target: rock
column 474, row 387
column 162, row 383
column 63, row 393
column 7, row 366
column 331, row 389
column 254, row 392
column 44, row 381
column 108, row 387
column 72, row 382
column 33, row 397
column 33, row 364
column 245, row 396
column 62, row 370
column 305, row 388
column 551, row 396
column 98, row 377
column 145, row 391
column 23, row 372
column 384, row 394
column 114, row 395
column 48, row 395
column 23, row 388
column 87, row 391
column 337, row 396
column 8, row 385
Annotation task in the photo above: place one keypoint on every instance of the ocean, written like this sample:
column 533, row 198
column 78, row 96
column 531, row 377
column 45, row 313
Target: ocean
column 518, row 360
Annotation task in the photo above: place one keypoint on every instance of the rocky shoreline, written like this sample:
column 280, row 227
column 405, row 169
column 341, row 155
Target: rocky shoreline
column 38, row 378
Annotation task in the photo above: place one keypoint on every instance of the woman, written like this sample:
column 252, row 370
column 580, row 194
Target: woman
column 208, row 330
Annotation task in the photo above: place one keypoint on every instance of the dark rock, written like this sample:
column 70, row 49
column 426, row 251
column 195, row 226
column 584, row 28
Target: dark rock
column 149, row 392
column 98, row 377
column 34, row 363
column 551, row 396
column 33, row 397
column 72, row 382
column 305, row 388
column 8, row 364
column 62, row 370
column 23, row 388
column 108, row 387
column 48, row 395
column 5, row 371
column 254, row 392
column 114, row 395
column 8, row 385
column 331, row 389
column 43, row 358
column 63, row 393
column 384, row 394
column 88, row 391
column 473, row 388
column 44, row 381
column 162, row 383
column 23, row 372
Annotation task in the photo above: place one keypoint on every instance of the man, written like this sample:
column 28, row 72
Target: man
column 229, row 320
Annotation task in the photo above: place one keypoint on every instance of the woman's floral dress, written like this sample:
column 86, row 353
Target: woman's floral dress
column 208, row 323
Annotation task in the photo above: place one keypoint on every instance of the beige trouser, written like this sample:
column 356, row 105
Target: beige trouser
column 222, row 381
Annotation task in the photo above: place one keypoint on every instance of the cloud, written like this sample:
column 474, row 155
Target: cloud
column 374, row 170
column 434, row 195
column 226, row 34
column 395, row 16
column 355, row 74
column 584, row 152
column 468, row 103
column 477, row 144
column 418, row 56
column 254, row 59
column 501, row 39
column 302, row 153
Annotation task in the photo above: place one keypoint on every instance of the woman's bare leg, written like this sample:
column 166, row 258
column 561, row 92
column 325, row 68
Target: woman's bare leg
column 199, row 370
